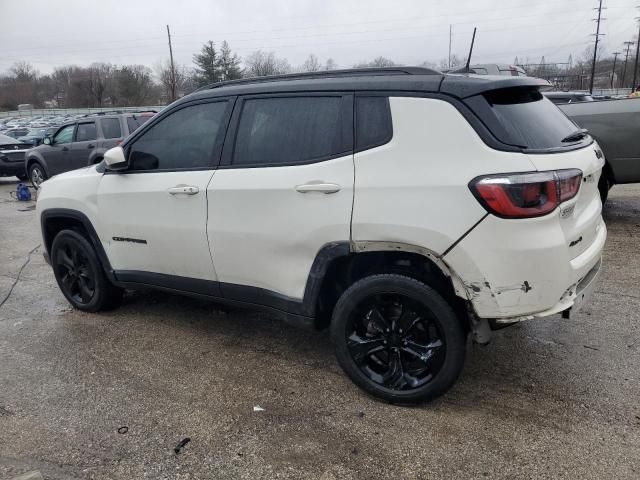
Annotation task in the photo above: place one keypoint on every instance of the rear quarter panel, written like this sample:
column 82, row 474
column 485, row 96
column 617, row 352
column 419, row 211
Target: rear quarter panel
column 414, row 189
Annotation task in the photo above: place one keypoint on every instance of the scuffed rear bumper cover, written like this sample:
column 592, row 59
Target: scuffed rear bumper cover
column 528, row 276
column 573, row 299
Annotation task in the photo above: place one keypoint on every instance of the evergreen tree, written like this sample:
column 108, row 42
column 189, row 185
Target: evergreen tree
column 228, row 63
column 207, row 68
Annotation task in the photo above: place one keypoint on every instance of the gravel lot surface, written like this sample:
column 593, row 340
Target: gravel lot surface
column 548, row 398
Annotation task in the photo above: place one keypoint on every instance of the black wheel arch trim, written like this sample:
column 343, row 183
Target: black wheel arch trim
column 33, row 158
column 66, row 213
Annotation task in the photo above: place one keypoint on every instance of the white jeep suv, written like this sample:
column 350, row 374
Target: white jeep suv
column 403, row 208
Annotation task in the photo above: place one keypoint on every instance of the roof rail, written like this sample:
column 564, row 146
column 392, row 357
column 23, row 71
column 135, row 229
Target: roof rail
column 350, row 72
column 116, row 112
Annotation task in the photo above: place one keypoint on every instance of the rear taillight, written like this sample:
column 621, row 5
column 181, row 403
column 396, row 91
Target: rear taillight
column 525, row 195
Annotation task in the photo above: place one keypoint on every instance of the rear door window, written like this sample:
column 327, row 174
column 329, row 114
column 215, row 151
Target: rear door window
column 523, row 117
column 290, row 130
column 111, row 127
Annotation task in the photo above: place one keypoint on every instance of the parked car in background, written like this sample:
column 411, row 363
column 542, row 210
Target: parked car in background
column 35, row 136
column 401, row 208
column 492, row 69
column 16, row 132
column 615, row 124
column 12, row 155
column 80, row 143
column 568, row 97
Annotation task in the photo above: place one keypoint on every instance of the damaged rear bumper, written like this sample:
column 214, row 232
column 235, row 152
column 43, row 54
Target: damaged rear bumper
column 532, row 275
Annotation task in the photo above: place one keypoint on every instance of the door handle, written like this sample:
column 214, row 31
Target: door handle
column 183, row 190
column 91, row 145
column 65, row 149
column 318, row 187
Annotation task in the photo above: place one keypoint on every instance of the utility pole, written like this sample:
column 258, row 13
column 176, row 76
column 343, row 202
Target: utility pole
column 173, row 69
column 595, row 50
column 613, row 70
column 626, row 57
column 635, row 64
column 450, row 29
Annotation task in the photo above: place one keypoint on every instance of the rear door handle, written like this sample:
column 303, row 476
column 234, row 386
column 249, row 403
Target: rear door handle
column 318, row 187
column 183, row 190
column 91, row 145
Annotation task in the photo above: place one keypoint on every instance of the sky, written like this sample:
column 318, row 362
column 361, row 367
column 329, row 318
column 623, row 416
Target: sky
column 50, row 33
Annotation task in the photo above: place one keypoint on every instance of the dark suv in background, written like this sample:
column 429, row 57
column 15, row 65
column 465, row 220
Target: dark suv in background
column 80, row 143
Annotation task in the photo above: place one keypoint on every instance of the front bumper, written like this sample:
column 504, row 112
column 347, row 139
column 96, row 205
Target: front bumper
column 9, row 169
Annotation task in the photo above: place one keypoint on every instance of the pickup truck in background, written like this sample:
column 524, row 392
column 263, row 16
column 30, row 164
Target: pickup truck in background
column 615, row 124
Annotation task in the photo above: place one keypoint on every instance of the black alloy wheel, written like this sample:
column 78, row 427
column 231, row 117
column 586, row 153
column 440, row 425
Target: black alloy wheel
column 75, row 272
column 80, row 275
column 398, row 339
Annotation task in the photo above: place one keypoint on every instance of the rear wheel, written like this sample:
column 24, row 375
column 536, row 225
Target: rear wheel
column 80, row 275
column 37, row 175
column 604, row 185
column 398, row 339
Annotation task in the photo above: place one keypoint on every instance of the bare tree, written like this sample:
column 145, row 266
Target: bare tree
column 456, row 61
column 172, row 81
column 311, row 64
column 377, row 62
column 100, row 79
column 330, row 64
column 260, row 64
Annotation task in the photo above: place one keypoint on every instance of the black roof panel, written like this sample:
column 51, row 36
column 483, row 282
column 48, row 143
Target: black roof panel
column 410, row 79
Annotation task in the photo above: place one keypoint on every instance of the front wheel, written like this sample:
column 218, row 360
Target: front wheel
column 398, row 339
column 37, row 175
column 80, row 275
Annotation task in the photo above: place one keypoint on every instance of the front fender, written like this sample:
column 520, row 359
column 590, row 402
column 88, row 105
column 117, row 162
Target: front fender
column 35, row 156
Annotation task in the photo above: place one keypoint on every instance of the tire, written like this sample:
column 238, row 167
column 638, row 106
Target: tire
column 604, row 185
column 80, row 275
column 37, row 174
column 413, row 365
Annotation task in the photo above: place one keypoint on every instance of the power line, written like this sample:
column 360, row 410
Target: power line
column 595, row 50
column 626, row 57
column 635, row 64
column 173, row 69
column 613, row 70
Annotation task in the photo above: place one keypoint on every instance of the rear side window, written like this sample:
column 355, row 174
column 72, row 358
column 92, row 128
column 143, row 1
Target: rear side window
column 373, row 122
column 186, row 139
column 111, row 127
column 524, row 117
column 289, row 130
column 86, row 132
column 133, row 123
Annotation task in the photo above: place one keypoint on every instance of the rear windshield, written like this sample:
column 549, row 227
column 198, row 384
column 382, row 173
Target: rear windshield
column 524, row 117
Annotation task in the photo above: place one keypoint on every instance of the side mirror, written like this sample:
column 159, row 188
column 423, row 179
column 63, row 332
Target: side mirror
column 47, row 140
column 115, row 159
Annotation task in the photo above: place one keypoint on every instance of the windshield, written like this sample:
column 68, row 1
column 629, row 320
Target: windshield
column 525, row 118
